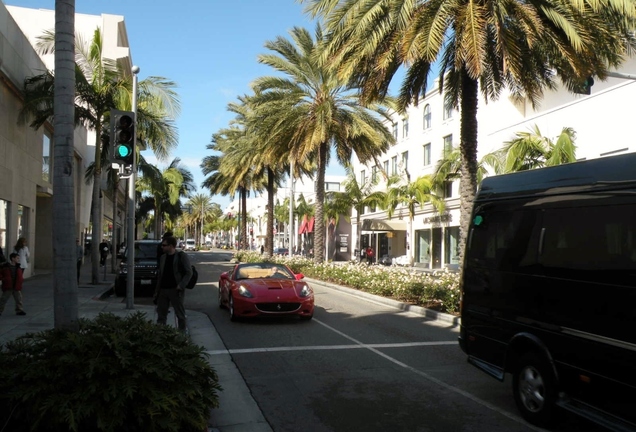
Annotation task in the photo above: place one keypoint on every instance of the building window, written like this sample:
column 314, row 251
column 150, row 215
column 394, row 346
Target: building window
column 405, row 127
column 405, row 160
column 448, row 145
column 363, row 177
column 427, row 154
column 4, row 220
column 448, row 189
column 448, row 111
column 46, row 158
column 372, row 208
column 394, row 165
column 374, row 174
column 451, row 244
column 332, row 186
column 386, row 167
column 395, row 131
column 427, row 117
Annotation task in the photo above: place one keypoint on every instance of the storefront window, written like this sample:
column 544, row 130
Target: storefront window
column 423, row 247
column 3, row 225
column 23, row 222
column 46, row 158
column 451, row 246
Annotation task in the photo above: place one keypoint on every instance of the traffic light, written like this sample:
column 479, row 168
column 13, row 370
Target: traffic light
column 585, row 87
column 122, row 128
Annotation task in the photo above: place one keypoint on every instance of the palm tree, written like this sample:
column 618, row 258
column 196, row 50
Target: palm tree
column 305, row 211
column 99, row 87
column 65, row 283
column 404, row 193
column 202, row 208
column 530, row 150
column 312, row 110
column 358, row 196
column 166, row 188
column 480, row 46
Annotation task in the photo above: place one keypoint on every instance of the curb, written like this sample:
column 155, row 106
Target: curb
column 431, row 314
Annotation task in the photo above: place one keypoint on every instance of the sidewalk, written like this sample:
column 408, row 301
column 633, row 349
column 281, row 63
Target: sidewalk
column 237, row 412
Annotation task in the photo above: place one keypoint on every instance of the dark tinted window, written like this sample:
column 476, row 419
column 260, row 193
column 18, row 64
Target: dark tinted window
column 503, row 240
column 146, row 250
column 596, row 242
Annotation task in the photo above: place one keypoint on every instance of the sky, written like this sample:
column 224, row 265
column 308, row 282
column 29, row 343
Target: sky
column 209, row 48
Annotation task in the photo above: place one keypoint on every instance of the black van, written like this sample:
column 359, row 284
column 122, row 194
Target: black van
column 549, row 289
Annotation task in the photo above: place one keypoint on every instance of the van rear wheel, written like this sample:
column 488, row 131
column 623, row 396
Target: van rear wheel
column 534, row 389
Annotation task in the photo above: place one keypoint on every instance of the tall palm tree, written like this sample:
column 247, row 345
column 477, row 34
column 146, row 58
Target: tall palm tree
column 404, row 193
column 99, row 87
column 64, row 282
column 480, row 46
column 305, row 211
column 202, row 207
column 313, row 110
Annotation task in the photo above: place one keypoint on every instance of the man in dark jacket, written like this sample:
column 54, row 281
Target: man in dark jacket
column 175, row 272
column 11, row 277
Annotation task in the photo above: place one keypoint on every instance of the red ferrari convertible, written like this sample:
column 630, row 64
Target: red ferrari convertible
column 265, row 289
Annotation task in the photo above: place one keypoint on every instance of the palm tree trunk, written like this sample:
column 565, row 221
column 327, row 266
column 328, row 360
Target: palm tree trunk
column 468, row 164
column 244, row 220
column 64, row 275
column 319, row 225
column 269, row 246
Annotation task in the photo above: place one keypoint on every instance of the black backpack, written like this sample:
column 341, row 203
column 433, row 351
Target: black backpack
column 195, row 275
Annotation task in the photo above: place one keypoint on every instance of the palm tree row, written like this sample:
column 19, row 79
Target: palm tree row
column 485, row 46
column 332, row 88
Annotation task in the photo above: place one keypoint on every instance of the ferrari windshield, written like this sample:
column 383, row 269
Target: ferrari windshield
column 262, row 270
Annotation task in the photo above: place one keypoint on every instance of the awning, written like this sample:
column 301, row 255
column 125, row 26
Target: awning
column 306, row 226
column 378, row 225
column 303, row 226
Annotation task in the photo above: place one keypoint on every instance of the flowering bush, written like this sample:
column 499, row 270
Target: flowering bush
column 438, row 290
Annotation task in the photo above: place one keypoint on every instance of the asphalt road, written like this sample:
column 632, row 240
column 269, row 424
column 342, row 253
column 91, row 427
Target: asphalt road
column 359, row 366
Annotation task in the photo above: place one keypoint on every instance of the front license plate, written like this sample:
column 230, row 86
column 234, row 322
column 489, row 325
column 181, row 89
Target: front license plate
column 146, row 281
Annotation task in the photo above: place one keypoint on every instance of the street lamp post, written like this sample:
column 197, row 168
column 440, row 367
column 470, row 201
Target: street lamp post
column 130, row 242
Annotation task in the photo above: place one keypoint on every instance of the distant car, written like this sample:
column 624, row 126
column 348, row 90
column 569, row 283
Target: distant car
column 281, row 251
column 146, row 269
column 265, row 289
column 386, row 260
column 190, row 245
column 401, row 260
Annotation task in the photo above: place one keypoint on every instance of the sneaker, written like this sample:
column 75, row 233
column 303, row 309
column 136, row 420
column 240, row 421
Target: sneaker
column 20, row 313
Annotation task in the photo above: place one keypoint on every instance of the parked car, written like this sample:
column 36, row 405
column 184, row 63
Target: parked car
column 386, row 260
column 265, row 289
column 190, row 245
column 281, row 251
column 146, row 269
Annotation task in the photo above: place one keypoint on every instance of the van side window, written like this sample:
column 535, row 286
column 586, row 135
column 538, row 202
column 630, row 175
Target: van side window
column 503, row 240
column 596, row 241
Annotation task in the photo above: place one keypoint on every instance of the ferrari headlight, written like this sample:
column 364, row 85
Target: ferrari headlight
column 244, row 292
column 305, row 291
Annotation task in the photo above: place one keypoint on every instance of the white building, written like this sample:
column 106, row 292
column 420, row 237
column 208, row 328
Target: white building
column 602, row 122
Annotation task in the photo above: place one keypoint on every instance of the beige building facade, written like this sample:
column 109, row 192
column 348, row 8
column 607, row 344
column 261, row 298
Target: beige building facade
column 26, row 155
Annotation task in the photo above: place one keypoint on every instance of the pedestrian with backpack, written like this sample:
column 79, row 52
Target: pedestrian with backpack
column 175, row 272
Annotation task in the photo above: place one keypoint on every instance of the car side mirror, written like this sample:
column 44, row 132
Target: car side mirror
column 299, row 276
column 224, row 275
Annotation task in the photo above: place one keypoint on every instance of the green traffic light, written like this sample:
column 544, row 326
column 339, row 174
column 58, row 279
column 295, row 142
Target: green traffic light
column 123, row 151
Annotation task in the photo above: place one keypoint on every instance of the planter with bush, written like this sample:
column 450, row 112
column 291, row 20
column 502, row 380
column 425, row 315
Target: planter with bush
column 115, row 374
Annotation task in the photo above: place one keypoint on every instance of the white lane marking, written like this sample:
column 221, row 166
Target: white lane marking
column 328, row 347
column 433, row 379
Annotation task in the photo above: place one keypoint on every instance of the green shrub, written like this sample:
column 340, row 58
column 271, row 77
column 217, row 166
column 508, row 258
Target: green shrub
column 115, row 374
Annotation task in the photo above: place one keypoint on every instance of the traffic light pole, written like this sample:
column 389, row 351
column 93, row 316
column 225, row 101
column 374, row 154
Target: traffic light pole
column 130, row 235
